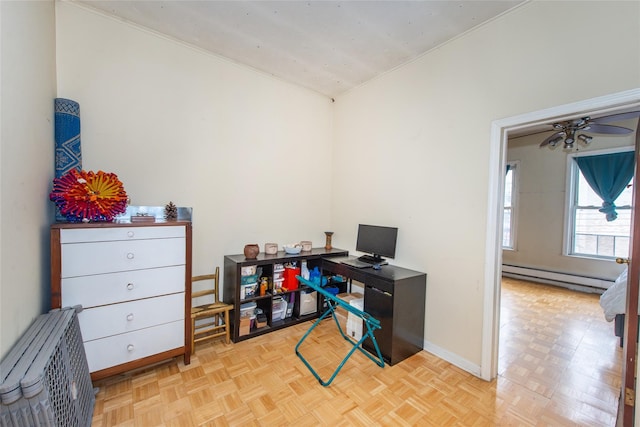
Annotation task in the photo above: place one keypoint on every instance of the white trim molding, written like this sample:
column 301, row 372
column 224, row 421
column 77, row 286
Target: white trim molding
column 608, row 104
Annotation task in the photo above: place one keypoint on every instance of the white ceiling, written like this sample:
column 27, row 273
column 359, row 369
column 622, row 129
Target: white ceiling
column 327, row 46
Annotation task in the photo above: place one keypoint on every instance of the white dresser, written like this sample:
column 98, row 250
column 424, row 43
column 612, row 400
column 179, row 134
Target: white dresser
column 133, row 282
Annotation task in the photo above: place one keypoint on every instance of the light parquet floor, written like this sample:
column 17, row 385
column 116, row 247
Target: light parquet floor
column 560, row 364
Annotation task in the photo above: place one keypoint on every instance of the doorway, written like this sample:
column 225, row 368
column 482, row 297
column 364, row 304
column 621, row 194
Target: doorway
column 500, row 130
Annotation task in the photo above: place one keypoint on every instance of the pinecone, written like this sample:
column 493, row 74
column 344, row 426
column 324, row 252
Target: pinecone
column 170, row 212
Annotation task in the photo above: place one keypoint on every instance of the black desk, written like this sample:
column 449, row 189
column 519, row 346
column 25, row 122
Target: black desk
column 396, row 297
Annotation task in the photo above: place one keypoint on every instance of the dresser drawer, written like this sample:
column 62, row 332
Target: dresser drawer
column 119, row 349
column 103, row 289
column 82, row 235
column 81, row 259
column 107, row 320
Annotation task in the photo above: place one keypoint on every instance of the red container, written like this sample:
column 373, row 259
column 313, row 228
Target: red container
column 290, row 281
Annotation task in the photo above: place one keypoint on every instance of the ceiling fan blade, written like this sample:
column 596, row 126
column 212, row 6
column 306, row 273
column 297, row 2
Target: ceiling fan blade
column 598, row 128
column 617, row 117
column 553, row 136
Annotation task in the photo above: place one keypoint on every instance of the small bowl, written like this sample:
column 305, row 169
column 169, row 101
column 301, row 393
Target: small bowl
column 292, row 249
column 270, row 248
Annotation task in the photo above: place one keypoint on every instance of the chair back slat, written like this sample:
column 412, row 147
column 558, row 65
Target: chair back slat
column 209, row 291
column 202, row 293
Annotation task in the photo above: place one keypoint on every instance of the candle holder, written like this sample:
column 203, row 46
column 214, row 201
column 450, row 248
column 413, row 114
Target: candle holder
column 327, row 245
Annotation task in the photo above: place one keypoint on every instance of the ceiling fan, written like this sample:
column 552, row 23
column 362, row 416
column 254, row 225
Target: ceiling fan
column 567, row 131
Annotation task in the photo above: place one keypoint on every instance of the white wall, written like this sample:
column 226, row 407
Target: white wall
column 542, row 177
column 251, row 154
column 420, row 136
column 27, row 85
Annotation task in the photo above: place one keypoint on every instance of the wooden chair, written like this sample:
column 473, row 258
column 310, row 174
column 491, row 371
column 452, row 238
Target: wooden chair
column 215, row 314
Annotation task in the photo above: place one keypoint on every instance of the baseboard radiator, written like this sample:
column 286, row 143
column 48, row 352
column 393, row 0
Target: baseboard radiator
column 570, row 281
column 44, row 379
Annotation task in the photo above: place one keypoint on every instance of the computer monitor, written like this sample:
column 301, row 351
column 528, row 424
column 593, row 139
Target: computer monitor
column 377, row 240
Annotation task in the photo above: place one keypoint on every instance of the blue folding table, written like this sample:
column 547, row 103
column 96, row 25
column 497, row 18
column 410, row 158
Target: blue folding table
column 370, row 323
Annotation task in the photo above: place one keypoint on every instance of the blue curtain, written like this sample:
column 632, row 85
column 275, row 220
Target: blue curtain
column 608, row 175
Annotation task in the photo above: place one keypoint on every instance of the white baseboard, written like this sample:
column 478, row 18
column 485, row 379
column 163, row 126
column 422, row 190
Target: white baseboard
column 570, row 281
column 453, row 358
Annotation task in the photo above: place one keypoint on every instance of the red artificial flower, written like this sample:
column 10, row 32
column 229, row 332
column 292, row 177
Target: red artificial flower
column 89, row 196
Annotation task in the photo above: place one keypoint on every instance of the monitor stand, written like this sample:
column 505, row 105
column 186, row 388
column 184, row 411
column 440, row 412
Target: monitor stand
column 372, row 259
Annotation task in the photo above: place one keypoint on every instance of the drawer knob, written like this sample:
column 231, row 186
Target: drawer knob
column 130, row 286
column 129, row 255
column 130, row 317
column 130, row 347
column 130, row 233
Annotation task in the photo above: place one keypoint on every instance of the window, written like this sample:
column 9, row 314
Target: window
column 589, row 232
column 509, row 214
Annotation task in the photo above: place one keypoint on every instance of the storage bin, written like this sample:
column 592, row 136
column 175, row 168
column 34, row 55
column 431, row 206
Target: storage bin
column 278, row 315
column 308, row 302
column 279, row 303
column 279, row 309
column 248, row 309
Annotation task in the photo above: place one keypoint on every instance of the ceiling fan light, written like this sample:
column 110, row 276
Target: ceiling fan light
column 585, row 138
column 553, row 142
